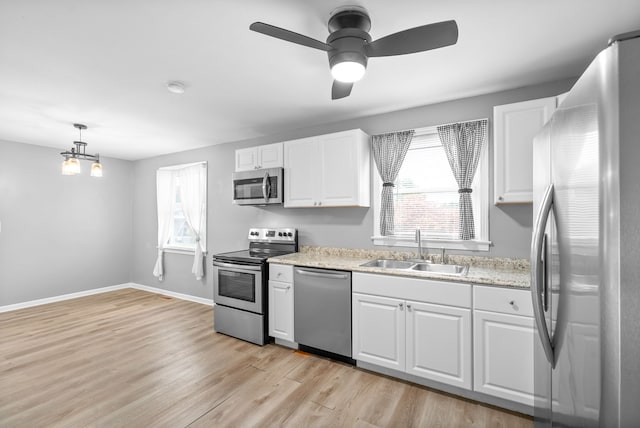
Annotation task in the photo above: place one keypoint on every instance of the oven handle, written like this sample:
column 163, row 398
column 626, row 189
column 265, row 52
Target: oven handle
column 235, row 266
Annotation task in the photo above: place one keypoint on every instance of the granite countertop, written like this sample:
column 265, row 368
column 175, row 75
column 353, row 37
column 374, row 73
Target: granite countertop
column 482, row 270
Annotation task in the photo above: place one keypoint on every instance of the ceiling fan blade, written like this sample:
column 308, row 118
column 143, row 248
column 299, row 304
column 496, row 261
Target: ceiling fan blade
column 289, row 36
column 418, row 39
column 340, row 90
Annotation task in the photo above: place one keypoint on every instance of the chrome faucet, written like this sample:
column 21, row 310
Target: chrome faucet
column 419, row 241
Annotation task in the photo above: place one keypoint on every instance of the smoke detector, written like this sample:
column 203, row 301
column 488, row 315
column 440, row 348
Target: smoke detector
column 176, row 86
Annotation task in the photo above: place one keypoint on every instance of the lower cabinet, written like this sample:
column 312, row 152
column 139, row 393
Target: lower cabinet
column 504, row 340
column 430, row 340
column 378, row 331
column 281, row 302
column 439, row 343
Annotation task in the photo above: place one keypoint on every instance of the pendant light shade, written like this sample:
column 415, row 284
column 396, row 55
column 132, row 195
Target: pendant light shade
column 96, row 169
column 71, row 166
column 71, row 163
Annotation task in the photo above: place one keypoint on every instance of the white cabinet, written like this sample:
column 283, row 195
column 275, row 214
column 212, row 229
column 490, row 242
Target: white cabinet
column 259, row 157
column 515, row 126
column 281, row 302
column 504, row 340
column 301, row 172
column 327, row 171
column 379, row 331
column 417, row 326
column 439, row 343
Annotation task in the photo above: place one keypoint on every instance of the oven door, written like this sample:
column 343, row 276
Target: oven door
column 259, row 187
column 238, row 286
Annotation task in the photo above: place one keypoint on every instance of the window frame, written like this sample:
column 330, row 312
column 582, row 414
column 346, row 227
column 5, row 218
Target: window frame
column 185, row 249
column 480, row 197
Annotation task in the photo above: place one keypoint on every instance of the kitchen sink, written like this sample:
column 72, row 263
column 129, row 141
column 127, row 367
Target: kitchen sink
column 389, row 264
column 441, row 268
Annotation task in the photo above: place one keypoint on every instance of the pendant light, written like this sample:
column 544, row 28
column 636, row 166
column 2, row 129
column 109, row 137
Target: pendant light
column 71, row 163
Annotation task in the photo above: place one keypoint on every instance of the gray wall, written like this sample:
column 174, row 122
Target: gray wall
column 68, row 234
column 61, row 234
column 510, row 226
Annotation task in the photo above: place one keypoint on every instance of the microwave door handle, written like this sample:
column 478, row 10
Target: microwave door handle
column 266, row 187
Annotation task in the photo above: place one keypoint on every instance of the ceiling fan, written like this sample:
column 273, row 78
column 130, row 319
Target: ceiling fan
column 349, row 45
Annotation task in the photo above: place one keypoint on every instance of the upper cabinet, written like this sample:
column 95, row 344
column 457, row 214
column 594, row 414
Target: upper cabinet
column 268, row 156
column 515, row 126
column 329, row 170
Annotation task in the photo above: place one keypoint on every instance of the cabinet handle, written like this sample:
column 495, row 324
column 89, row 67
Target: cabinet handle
column 512, row 302
column 279, row 274
column 319, row 203
column 408, row 307
column 401, row 305
column 288, row 287
column 500, row 198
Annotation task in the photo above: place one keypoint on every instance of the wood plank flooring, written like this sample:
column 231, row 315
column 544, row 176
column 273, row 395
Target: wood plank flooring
column 129, row 358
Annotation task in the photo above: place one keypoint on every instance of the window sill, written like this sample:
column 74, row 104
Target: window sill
column 449, row 244
column 178, row 250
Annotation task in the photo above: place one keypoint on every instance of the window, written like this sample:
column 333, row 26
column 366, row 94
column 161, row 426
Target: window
column 182, row 213
column 182, row 236
column 425, row 196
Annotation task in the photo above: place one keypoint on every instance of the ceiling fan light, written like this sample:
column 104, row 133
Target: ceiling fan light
column 348, row 71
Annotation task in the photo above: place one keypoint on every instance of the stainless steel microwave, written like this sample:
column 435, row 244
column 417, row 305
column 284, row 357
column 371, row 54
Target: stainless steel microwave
column 258, row 187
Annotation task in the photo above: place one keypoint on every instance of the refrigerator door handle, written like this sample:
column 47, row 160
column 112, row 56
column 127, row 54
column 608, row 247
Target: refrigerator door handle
column 545, row 281
column 538, row 276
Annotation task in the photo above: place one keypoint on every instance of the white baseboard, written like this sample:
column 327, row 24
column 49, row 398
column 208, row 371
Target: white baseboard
column 201, row 300
column 38, row 302
column 54, row 299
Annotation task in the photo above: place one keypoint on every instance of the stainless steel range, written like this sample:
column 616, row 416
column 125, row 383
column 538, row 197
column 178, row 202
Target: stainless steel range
column 240, row 284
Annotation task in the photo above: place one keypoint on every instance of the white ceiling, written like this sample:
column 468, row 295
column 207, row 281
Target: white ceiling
column 106, row 64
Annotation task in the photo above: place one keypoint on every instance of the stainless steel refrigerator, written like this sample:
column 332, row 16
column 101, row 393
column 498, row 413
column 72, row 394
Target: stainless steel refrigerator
column 585, row 251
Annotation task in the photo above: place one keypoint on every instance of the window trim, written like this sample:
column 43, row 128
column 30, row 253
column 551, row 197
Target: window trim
column 481, row 243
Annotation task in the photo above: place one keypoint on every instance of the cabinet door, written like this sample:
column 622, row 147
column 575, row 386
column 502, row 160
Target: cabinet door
column 339, row 170
column 281, row 310
column 379, row 331
column 301, row 174
column 503, row 364
column 246, row 159
column 270, row 156
column 514, row 127
column 439, row 343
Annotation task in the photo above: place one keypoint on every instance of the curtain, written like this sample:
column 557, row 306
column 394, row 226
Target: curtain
column 462, row 143
column 165, row 188
column 389, row 151
column 193, row 193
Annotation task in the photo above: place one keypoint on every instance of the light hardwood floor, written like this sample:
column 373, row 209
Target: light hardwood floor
column 135, row 359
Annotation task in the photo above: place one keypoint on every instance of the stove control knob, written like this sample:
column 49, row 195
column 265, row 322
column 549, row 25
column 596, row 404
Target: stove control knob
column 279, row 233
column 289, row 234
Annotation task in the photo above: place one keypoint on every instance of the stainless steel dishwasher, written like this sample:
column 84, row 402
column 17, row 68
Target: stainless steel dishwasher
column 322, row 310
